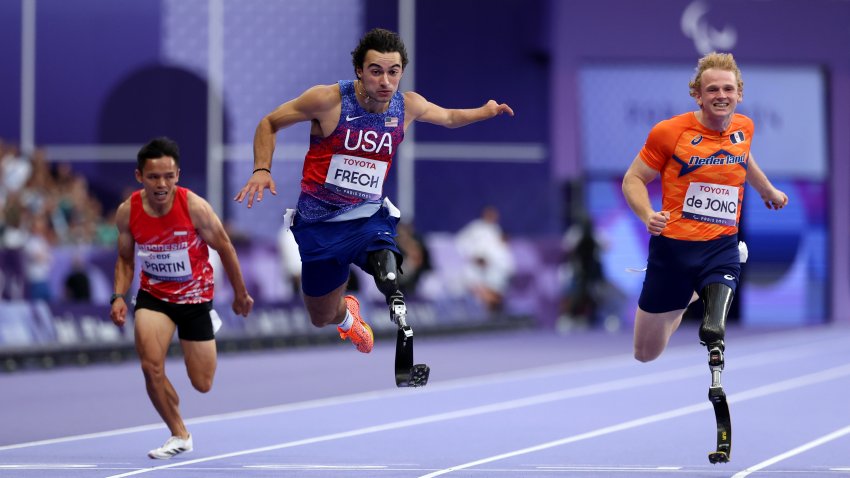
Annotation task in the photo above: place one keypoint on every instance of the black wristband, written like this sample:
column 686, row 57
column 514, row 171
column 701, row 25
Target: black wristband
column 263, row 169
column 115, row 297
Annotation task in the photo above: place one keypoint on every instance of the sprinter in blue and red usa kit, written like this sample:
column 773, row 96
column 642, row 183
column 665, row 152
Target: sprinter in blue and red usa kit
column 342, row 216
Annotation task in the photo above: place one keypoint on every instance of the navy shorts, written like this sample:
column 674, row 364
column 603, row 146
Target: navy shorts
column 676, row 268
column 329, row 248
column 193, row 320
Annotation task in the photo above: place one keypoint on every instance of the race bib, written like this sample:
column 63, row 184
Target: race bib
column 167, row 266
column 353, row 176
column 714, row 203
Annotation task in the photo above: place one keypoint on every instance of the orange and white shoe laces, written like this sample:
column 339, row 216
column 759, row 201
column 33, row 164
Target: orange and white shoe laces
column 360, row 333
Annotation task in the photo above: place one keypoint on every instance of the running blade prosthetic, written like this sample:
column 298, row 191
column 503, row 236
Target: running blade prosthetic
column 717, row 397
column 724, row 426
column 406, row 373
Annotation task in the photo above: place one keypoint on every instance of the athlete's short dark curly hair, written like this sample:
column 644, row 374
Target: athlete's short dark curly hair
column 382, row 41
column 158, row 148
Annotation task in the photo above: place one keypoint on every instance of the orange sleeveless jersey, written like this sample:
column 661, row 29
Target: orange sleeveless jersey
column 702, row 174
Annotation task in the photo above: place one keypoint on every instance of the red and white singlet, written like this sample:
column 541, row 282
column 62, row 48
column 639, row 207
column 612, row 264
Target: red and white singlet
column 174, row 259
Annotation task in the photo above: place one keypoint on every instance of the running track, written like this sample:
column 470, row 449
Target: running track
column 522, row 403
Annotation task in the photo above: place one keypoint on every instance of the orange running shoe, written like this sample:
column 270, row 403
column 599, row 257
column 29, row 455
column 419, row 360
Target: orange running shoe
column 360, row 333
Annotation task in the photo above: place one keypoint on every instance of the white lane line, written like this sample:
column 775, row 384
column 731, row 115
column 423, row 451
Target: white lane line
column 620, row 384
column 588, row 365
column 751, row 360
column 525, row 402
column 796, row 451
column 44, row 466
column 494, row 378
column 308, row 467
column 797, row 382
column 607, row 468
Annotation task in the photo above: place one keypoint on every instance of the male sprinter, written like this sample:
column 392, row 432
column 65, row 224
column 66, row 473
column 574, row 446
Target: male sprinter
column 172, row 227
column 704, row 159
column 342, row 215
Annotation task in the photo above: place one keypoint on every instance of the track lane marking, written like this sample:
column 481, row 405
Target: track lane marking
column 781, row 386
column 588, row 390
column 793, row 452
column 593, row 364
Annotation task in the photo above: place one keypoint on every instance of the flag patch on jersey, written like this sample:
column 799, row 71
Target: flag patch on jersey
column 391, row 122
column 737, row 137
column 181, row 233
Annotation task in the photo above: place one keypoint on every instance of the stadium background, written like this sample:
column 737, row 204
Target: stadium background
column 91, row 80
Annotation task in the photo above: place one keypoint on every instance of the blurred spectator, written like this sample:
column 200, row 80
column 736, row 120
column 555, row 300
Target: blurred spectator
column 14, row 235
column 589, row 299
column 583, row 276
column 38, row 259
column 490, row 264
column 37, row 193
column 77, row 283
column 106, row 233
column 417, row 259
column 16, row 169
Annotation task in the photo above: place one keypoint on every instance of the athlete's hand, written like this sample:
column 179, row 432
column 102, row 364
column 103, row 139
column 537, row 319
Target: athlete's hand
column 242, row 305
column 498, row 108
column 118, row 312
column 656, row 222
column 774, row 199
column 256, row 185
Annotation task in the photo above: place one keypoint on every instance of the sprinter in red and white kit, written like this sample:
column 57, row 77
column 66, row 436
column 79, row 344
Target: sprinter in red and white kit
column 170, row 229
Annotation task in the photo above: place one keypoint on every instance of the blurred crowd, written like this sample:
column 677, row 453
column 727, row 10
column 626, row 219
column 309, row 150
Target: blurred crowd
column 47, row 210
column 44, row 205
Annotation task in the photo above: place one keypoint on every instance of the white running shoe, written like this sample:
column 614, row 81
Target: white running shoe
column 173, row 446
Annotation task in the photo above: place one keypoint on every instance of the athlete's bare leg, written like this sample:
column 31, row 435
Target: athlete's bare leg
column 200, row 359
column 154, row 331
column 327, row 309
column 653, row 331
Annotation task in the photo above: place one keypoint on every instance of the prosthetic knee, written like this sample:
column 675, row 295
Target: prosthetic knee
column 385, row 270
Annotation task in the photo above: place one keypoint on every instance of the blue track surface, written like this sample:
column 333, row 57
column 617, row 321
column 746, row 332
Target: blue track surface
column 501, row 404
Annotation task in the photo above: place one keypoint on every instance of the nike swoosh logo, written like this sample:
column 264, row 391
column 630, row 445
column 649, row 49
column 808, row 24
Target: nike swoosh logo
column 352, row 118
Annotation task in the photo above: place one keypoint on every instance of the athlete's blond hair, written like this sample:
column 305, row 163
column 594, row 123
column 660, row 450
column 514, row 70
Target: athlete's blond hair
column 718, row 61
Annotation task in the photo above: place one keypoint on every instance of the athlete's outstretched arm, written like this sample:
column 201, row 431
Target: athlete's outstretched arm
column 124, row 265
column 772, row 197
column 211, row 230
column 637, row 195
column 417, row 108
column 316, row 104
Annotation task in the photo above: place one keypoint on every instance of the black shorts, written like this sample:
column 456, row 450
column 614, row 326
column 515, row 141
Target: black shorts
column 193, row 320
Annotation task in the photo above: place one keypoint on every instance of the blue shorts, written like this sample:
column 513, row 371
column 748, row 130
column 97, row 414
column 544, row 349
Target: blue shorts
column 328, row 248
column 676, row 268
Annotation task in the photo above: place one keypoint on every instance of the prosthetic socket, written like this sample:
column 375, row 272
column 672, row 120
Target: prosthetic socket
column 717, row 299
column 385, row 270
